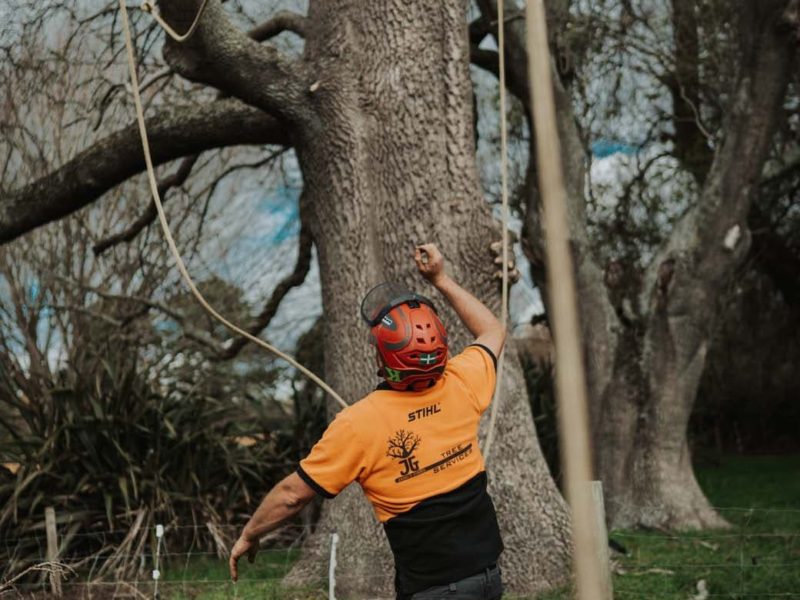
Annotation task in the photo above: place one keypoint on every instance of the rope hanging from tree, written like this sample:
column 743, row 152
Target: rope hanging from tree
column 148, row 7
column 498, row 393
column 151, row 176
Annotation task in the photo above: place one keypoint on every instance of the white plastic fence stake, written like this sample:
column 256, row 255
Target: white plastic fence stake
column 156, row 572
column 52, row 549
column 607, row 590
column 332, row 568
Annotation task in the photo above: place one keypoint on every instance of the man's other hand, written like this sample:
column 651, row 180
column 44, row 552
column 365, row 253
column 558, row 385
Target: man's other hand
column 240, row 548
column 430, row 262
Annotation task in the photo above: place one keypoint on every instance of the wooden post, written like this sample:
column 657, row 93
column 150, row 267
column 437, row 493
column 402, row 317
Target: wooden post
column 573, row 415
column 602, row 534
column 52, row 548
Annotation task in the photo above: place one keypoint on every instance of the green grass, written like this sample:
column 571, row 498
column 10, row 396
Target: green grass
column 208, row 579
column 758, row 558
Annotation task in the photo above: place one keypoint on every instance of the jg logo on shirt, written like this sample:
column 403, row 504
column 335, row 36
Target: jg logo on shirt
column 403, row 445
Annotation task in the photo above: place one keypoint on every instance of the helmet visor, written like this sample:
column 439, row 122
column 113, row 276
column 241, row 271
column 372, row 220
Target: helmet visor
column 384, row 297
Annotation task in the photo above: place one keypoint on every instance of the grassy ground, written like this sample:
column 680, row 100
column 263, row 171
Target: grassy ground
column 758, row 558
column 208, row 579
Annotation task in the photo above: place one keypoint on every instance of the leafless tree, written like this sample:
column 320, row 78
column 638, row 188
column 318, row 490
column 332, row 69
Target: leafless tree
column 403, row 444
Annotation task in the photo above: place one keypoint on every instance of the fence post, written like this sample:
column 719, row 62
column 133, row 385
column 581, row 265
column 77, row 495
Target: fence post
column 332, row 568
column 607, row 591
column 52, row 549
column 156, row 570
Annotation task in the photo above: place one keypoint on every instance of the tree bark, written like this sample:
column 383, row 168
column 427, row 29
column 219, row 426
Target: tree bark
column 379, row 110
column 646, row 336
column 394, row 166
column 682, row 293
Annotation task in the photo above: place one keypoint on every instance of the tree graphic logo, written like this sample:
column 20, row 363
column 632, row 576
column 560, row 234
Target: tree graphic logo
column 401, row 447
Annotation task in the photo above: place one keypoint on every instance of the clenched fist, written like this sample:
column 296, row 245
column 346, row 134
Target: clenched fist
column 430, row 262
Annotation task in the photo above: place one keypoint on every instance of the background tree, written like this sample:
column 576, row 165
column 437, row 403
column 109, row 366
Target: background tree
column 649, row 308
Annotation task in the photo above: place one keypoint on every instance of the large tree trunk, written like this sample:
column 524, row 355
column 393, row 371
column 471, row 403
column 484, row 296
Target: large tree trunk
column 390, row 163
column 646, row 337
column 643, row 454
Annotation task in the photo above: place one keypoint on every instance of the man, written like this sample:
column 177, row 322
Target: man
column 412, row 445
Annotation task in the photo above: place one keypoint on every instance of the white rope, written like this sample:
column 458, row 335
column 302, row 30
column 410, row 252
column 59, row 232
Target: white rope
column 498, row 392
column 151, row 176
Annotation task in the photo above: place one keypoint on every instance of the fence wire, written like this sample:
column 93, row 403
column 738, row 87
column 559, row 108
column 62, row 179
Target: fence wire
column 743, row 557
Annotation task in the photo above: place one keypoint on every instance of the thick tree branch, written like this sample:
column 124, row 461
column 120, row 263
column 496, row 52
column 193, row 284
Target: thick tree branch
column 177, row 179
column 488, row 60
column 223, row 56
column 479, row 29
column 515, row 48
column 174, row 133
column 281, row 21
column 294, row 279
column 284, row 20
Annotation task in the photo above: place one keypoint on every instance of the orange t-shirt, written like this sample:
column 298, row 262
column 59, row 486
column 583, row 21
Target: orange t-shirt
column 404, row 447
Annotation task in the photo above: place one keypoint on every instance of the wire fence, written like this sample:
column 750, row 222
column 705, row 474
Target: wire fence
column 758, row 558
column 164, row 567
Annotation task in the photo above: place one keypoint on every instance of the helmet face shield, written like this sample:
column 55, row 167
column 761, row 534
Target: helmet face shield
column 384, row 297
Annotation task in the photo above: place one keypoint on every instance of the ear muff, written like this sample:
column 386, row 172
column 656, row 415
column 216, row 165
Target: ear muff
column 411, row 342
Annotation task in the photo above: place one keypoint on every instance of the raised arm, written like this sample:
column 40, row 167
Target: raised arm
column 480, row 321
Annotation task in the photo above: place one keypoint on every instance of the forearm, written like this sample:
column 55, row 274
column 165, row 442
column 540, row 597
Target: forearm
column 277, row 507
column 473, row 313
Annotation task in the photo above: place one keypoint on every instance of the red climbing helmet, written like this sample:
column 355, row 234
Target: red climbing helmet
column 410, row 339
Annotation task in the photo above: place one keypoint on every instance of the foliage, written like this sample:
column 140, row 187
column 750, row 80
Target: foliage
column 748, row 399
column 111, row 450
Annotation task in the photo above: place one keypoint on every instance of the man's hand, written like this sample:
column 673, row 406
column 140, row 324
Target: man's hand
column 240, row 548
column 430, row 263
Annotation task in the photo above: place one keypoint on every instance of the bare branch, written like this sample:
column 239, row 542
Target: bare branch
column 190, row 332
column 294, row 279
column 149, row 215
column 174, row 133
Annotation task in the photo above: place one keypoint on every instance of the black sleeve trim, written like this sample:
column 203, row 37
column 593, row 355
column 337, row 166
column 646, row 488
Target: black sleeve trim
column 489, row 352
column 313, row 484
